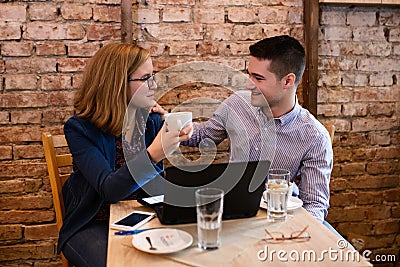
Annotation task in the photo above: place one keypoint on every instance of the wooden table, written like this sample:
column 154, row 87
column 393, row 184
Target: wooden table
column 241, row 244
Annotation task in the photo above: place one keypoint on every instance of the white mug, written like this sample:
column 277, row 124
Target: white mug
column 175, row 121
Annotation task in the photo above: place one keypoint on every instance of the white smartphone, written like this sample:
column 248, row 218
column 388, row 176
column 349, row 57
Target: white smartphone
column 133, row 220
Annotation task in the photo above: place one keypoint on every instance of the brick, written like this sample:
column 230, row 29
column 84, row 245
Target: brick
column 378, row 65
column 146, row 15
column 243, row 14
column 26, row 203
column 107, row 13
column 388, row 152
column 61, row 99
column 55, row 82
column 360, row 18
column 354, row 214
column 6, row 152
column 20, row 81
column 387, row 227
column 247, row 32
column 13, row 12
column 83, row 50
column 11, row 186
column 53, row 31
column 335, row 64
column 39, row 232
column 392, row 195
column 12, row 170
column 4, row 117
column 176, row 31
column 336, row 33
column 396, row 211
column 380, row 138
column 10, row 232
column 42, row 11
column 372, row 124
column 371, row 182
column 71, row 64
column 355, row 168
column 379, row 167
column 182, row 48
column 363, row 154
column 209, row 15
column 338, row 184
column 379, row 49
column 378, row 212
column 10, row 31
column 19, row 216
column 51, row 49
column 76, row 12
column 17, row 49
column 156, row 49
column 28, row 151
column 103, row 32
column 389, row 18
column 176, row 14
column 23, row 100
column 57, row 116
column 394, row 35
column 358, row 228
column 353, row 139
column 236, row 48
column 355, row 109
column 329, row 79
column 270, row 14
column 342, row 199
column 332, row 17
column 339, row 96
column 385, row 109
column 23, row 117
column 31, row 65
column 27, row 251
column 207, row 48
column 369, row 198
column 366, row 34
column 219, row 32
column 354, row 79
column 329, row 49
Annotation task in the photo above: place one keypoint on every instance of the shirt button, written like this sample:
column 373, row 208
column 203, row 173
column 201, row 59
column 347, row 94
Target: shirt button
column 256, row 148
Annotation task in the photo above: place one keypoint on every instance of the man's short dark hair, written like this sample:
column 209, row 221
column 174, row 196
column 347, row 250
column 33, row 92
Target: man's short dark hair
column 286, row 53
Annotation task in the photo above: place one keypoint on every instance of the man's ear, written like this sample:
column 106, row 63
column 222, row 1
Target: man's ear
column 289, row 80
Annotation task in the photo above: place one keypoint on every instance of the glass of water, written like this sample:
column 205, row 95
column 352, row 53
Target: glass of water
column 209, row 207
column 277, row 190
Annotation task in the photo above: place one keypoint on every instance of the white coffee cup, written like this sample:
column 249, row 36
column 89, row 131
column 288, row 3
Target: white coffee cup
column 175, row 121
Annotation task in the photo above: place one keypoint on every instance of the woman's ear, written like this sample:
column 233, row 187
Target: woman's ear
column 288, row 81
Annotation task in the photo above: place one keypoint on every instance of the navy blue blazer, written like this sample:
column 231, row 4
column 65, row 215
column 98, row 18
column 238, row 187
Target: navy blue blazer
column 93, row 180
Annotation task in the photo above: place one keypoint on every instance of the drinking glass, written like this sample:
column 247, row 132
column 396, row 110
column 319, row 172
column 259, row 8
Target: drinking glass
column 209, row 207
column 277, row 194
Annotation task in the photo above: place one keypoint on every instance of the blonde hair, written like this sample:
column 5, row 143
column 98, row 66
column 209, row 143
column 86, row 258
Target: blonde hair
column 102, row 96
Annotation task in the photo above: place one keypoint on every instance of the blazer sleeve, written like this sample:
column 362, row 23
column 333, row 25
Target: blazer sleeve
column 92, row 158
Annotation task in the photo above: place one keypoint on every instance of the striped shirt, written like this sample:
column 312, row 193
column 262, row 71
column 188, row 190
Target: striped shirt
column 296, row 141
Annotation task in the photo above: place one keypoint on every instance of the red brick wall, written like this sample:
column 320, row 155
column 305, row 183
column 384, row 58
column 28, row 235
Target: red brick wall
column 45, row 45
column 359, row 71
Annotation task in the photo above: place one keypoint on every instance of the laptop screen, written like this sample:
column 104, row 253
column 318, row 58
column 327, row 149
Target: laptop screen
column 242, row 182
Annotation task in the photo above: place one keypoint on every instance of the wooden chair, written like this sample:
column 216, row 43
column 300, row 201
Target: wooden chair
column 55, row 147
column 331, row 130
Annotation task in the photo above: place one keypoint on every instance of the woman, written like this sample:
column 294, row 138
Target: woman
column 117, row 79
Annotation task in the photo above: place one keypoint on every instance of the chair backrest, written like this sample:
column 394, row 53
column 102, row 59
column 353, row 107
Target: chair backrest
column 55, row 147
column 331, row 130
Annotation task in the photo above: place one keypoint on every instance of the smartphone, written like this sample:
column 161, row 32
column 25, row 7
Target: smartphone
column 133, row 220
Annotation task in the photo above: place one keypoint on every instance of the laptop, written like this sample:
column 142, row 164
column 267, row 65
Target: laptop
column 242, row 182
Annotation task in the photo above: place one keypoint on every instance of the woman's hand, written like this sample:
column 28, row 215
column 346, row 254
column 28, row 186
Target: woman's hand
column 158, row 109
column 186, row 132
column 166, row 143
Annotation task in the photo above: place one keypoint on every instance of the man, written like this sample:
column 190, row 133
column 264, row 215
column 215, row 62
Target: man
column 267, row 122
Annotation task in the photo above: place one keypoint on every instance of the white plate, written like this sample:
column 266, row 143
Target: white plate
column 294, row 203
column 165, row 240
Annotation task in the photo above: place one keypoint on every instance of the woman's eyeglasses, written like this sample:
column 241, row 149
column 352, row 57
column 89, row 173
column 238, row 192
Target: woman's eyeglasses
column 302, row 235
column 150, row 79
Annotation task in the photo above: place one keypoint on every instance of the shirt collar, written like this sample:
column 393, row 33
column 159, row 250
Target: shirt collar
column 288, row 117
